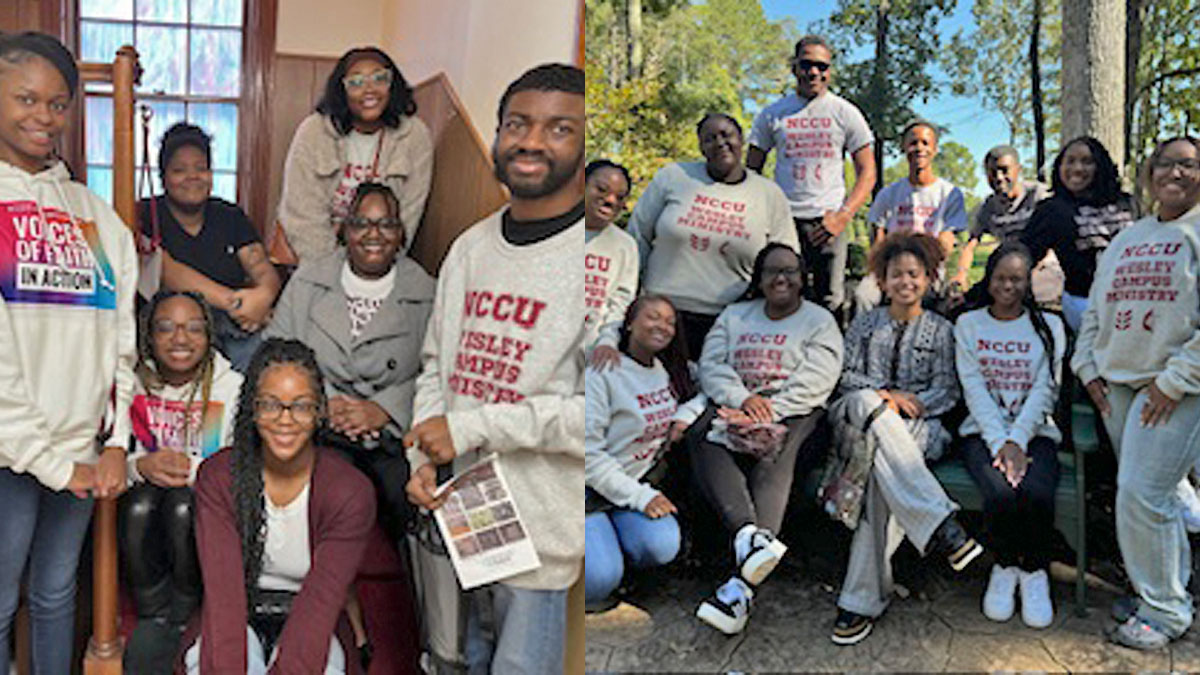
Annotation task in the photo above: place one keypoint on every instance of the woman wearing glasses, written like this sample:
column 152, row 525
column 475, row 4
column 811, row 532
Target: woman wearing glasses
column 281, row 526
column 1138, row 353
column 364, row 129
column 182, row 412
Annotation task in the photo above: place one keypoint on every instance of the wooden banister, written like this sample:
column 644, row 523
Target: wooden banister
column 104, row 649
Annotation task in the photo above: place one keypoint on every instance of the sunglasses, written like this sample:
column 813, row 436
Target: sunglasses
column 382, row 78
column 805, row 65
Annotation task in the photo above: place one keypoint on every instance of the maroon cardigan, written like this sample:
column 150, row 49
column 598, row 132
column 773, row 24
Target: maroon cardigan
column 341, row 512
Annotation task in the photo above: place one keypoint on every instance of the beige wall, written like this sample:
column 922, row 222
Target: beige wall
column 329, row 27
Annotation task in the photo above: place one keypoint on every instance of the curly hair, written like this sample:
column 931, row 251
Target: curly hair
column 361, row 192
column 674, row 356
column 1106, row 185
column 336, row 106
column 754, row 290
column 247, row 467
column 1036, row 316
column 921, row 246
column 148, row 368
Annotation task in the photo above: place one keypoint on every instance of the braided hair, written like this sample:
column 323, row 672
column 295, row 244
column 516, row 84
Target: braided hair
column 249, row 496
column 148, row 368
column 1036, row 316
column 674, row 356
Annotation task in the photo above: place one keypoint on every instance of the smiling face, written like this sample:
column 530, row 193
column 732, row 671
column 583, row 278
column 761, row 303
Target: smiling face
column 1078, row 169
column 652, row 327
column 781, row 280
column 286, row 433
column 539, row 146
column 34, row 99
column 920, row 147
column 812, row 68
column 906, row 280
column 604, row 197
column 721, row 145
column 1175, row 177
column 367, row 83
column 1004, row 175
column 188, row 178
column 373, row 237
column 1009, row 282
column 180, row 337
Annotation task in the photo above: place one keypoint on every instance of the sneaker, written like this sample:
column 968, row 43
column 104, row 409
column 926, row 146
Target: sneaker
column 758, row 554
column 952, row 541
column 1036, row 610
column 999, row 602
column 1137, row 633
column 729, row 608
column 851, row 628
column 1191, row 506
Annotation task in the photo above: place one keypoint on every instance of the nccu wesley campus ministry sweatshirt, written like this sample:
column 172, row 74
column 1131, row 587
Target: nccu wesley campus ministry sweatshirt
column 1142, row 323
column 610, row 281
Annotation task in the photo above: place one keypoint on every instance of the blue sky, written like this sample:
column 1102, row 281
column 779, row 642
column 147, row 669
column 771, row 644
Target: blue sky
column 969, row 121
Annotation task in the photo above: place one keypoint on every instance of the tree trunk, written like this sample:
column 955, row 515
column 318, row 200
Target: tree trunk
column 1135, row 12
column 1094, row 72
column 879, row 86
column 1035, row 79
column 633, row 22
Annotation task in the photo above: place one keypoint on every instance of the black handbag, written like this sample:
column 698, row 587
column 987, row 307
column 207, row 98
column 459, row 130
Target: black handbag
column 269, row 615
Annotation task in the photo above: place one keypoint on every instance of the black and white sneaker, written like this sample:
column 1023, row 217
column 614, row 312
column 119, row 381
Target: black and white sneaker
column 851, row 628
column 758, row 555
column 728, row 609
column 953, row 542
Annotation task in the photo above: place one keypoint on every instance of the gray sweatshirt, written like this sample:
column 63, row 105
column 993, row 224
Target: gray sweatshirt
column 610, row 280
column 1142, row 323
column 503, row 361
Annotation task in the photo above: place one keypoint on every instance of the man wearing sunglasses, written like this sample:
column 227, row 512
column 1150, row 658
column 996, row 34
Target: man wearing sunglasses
column 812, row 130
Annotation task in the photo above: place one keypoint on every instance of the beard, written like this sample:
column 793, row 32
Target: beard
column 557, row 175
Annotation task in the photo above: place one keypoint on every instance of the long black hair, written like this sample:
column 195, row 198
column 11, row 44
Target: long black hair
column 1106, row 185
column 334, row 104
column 754, row 290
column 247, row 486
column 1036, row 316
column 149, row 370
column 674, row 356
column 17, row 48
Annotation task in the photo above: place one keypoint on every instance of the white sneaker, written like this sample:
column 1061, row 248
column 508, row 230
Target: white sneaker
column 758, row 554
column 1036, row 610
column 729, row 608
column 1000, row 600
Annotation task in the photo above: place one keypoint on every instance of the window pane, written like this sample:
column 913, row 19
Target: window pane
column 220, row 121
column 217, row 12
column 162, row 10
column 99, row 179
column 225, row 186
column 164, row 54
column 165, row 115
column 99, row 130
column 99, row 42
column 106, row 9
column 216, row 62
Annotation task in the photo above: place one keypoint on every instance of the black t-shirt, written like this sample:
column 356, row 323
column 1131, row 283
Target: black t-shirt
column 525, row 232
column 1078, row 232
column 214, row 251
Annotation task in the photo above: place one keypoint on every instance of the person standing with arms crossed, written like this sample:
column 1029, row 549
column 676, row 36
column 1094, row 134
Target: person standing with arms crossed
column 813, row 129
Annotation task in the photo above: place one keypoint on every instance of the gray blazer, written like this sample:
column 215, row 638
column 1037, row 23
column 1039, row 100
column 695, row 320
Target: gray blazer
column 382, row 364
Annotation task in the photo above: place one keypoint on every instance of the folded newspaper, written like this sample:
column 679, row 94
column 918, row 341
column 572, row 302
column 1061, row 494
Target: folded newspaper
column 488, row 541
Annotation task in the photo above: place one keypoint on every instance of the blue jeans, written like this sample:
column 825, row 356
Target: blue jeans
column 610, row 536
column 517, row 631
column 234, row 343
column 46, row 530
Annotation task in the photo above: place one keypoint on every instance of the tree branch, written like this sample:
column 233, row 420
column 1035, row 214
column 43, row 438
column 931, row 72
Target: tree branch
column 1161, row 77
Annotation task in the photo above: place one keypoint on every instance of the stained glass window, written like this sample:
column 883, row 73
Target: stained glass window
column 191, row 55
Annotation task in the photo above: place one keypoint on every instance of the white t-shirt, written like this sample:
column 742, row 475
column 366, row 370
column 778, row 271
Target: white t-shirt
column 365, row 296
column 929, row 208
column 286, row 558
column 360, row 165
column 812, row 137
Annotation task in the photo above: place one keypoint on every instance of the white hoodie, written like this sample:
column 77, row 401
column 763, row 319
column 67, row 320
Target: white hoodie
column 68, row 274
column 176, row 418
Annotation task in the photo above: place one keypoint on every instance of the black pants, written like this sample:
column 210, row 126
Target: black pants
column 387, row 468
column 1018, row 523
column 744, row 490
column 158, row 551
column 825, row 283
column 695, row 329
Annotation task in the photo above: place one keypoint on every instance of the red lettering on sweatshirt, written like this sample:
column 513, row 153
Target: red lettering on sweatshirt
column 504, row 307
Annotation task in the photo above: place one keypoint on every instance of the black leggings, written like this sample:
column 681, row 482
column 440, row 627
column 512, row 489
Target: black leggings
column 158, row 551
column 695, row 329
column 744, row 490
column 1018, row 523
column 387, row 468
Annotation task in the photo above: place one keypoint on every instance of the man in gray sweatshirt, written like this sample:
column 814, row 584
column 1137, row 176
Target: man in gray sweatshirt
column 502, row 368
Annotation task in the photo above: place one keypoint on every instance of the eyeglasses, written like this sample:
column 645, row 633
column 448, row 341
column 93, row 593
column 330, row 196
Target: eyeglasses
column 770, row 272
column 387, row 225
column 806, row 64
column 1188, row 164
column 380, row 77
column 270, row 410
column 192, row 327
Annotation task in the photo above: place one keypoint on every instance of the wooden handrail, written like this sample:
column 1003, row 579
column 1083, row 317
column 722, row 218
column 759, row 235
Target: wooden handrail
column 104, row 649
